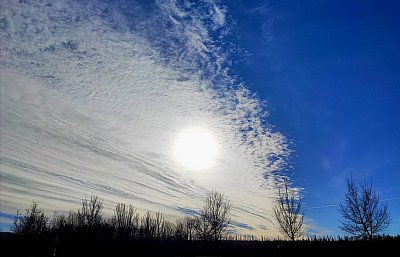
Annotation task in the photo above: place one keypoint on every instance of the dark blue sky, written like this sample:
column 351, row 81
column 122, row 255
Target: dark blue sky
column 330, row 72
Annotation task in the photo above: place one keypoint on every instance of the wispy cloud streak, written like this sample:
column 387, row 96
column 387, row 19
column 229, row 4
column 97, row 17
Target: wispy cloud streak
column 93, row 96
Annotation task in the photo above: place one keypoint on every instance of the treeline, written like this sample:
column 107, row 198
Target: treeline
column 86, row 232
column 89, row 231
column 127, row 223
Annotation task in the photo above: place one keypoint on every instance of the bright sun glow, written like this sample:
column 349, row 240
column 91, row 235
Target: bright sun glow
column 196, row 148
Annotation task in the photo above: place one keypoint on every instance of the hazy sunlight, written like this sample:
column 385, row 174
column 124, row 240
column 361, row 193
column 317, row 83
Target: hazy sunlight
column 196, row 148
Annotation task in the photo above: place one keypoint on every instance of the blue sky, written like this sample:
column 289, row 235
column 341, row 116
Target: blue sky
column 94, row 96
column 329, row 71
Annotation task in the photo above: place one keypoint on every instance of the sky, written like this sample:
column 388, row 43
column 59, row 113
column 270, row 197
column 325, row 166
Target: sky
column 95, row 96
column 329, row 72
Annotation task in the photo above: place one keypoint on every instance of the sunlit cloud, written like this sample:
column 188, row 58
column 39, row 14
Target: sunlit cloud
column 196, row 148
column 93, row 97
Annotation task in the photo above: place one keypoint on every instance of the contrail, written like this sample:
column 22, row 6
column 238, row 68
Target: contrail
column 390, row 199
column 337, row 205
column 320, row 207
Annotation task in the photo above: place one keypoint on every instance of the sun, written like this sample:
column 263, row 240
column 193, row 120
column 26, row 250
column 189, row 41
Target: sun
column 196, row 148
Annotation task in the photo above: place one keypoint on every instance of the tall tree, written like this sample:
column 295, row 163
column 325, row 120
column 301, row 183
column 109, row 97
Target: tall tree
column 287, row 212
column 363, row 215
column 148, row 227
column 91, row 212
column 214, row 218
column 34, row 222
column 125, row 221
column 89, row 219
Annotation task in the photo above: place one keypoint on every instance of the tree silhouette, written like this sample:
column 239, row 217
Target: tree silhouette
column 362, row 214
column 64, row 225
column 89, row 219
column 147, row 227
column 91, row 212
column 287, row 212
column 34, row 222
column 125, row 221
column 70, row 234
column 185, row 228
column 214, row 218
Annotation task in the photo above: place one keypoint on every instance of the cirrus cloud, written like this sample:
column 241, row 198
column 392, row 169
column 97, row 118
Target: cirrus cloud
column 94, row 95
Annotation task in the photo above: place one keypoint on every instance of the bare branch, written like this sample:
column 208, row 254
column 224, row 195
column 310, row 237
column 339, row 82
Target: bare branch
column 362, row 215
column 214, row 217
column 287, row 213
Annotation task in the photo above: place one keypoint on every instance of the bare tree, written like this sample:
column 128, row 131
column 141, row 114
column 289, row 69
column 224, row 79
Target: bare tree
column 214, row 218
column 33, row 223
column 190, row 223
column 59, row 222
column 148, row 226
column 125, row 221
column 90, row 218
column 180, row 230
column 159, row 223
column 185, row 228
column 168, row 230
column 287, row 212
column 362, row 214
column 64, row 225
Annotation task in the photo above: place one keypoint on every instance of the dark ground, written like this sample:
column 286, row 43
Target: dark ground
column 47, row 246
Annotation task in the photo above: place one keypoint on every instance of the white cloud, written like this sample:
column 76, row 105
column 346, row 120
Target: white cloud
column 93, row 98
column 313, row 229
